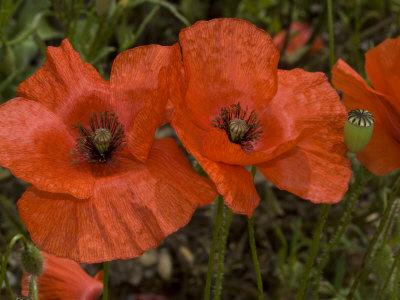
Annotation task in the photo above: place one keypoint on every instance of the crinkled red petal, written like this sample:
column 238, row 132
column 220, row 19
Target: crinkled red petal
column 36, row 145
column 64, row 82
column 227, row 61
column 382, row 64
column 128, row 213
column 140, row 94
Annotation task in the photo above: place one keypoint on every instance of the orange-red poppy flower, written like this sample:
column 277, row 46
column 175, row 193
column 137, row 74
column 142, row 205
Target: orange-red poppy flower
column 381, row 155
column 299, row 34
column 64, row 279
column 102, row 189
column 287, row 123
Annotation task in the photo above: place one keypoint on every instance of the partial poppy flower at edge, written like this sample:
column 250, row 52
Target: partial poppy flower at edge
column 289, row 124
column 103, row 188
column 64, row 279
column 381, row 155
column 299, row 33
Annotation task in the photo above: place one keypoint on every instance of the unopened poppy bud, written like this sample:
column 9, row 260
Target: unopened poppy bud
column 101, row 139
column 32, row 260
column 358, row 130
column 238, row 129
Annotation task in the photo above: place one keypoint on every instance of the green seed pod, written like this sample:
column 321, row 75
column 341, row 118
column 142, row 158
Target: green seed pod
column 238, row 128
column 358, row 129
column 101, row 139
column 32, row 260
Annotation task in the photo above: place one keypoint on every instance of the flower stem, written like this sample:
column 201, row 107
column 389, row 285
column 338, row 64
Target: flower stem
column 254, row 256
column 362, row 272
column 396, row 284
column 389, row 276
column 3, row 275
column 314, row 249
column 223, row 236
column 33, row 290
column 217, row 229
column 252, row 241
column 341, row 225
column 7, row 284
column 331, row 38
column 105, row 280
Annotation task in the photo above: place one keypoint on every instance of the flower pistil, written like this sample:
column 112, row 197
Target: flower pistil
column 241, row 128
column 104, row 137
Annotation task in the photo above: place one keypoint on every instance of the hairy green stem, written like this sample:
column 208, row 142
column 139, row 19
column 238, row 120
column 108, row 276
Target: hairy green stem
column 3, row 275
column 217, row 228
column 252, row 241
column 341, row 225
column 362, row 272
column 313, row 250
column 396, row 283
column 105, row 280
column 33, row 289
column 389, row 276
column 223, row 237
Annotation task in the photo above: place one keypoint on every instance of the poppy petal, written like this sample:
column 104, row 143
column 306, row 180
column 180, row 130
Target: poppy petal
column 63, row 81
column 127, row 214
column 64, row 279
column 138, row 83
column 234, row 183
column 304, row 101
column 29, row 133
column 227, row 61
column 315, row 169
column 299, row 34
column 233, row 154
column 381, row 155
column 382, row 63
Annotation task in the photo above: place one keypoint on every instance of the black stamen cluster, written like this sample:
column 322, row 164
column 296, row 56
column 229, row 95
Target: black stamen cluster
column 235, row 111
column 85, row 144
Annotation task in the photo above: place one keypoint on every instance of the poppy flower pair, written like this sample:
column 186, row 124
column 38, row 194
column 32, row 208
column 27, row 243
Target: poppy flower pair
column 381, row 155
column 104, row 189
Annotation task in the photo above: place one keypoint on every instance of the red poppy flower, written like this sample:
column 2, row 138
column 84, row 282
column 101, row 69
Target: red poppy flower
column 287, row 123
column 102, row 188
column 64, row 279
column 381, row 155
column 300, row 33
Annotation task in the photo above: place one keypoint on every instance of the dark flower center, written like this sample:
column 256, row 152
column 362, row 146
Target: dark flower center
column 242, row 128
column 104, row 137
column 361, row 117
